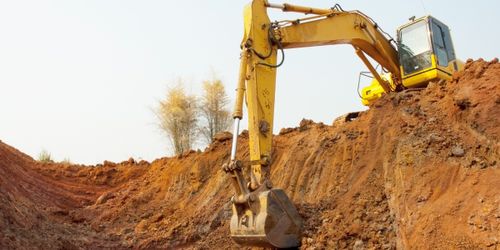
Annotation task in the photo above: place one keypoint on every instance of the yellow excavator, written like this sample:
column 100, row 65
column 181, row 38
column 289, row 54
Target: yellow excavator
column 261, row 214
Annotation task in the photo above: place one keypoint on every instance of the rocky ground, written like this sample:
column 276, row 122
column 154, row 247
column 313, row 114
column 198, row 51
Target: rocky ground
column 419, row 170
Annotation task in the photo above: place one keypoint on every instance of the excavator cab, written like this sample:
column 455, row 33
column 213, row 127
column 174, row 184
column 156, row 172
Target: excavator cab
column 426, row 52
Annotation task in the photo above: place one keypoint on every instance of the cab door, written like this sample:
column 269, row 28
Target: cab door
column 443, row 48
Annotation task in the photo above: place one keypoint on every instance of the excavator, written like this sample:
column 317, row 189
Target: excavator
column 263, row 215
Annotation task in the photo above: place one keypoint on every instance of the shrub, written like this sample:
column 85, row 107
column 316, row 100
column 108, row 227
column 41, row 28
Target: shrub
column 45, row 157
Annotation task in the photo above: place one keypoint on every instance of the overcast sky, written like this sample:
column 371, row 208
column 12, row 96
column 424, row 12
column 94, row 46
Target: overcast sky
column 80, row 78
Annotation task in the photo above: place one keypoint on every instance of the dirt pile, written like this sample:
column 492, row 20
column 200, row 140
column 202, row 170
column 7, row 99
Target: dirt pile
column 418, row 170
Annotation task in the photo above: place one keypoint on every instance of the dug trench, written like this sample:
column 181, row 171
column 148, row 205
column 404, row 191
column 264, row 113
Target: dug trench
column 418, row 170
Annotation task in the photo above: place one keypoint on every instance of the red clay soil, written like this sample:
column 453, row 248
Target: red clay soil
column 419, row 170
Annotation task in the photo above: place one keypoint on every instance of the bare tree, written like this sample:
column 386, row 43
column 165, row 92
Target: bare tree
column 213, row 108
column 178, row 118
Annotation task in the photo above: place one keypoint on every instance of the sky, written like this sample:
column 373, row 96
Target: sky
column 81, row 78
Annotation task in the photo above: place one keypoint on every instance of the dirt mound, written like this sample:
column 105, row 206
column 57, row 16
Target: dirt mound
column 418, row 170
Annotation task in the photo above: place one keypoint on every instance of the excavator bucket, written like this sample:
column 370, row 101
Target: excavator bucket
column 268, row 220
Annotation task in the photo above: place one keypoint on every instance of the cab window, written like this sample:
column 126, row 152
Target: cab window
column 447, row 43
column 439, row 45
column 414, row 47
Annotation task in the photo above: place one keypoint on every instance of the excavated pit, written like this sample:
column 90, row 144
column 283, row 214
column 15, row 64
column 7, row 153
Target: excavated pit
column 417, row 170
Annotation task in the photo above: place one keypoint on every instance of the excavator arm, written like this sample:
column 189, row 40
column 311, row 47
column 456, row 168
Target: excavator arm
column 263, row 215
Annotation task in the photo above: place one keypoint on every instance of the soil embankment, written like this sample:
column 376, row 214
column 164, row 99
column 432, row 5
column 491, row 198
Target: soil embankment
column 420, row 169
